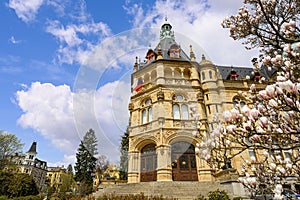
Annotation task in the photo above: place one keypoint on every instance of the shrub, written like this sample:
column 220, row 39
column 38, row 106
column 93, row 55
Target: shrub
column 201, row 197
column 17, row 185
column 237, row 198
column 132, row 197
column 218, row 195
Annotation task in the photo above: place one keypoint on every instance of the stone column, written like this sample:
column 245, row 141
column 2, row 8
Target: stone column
column 160, row 73
column 164, row 169
column 133, row 167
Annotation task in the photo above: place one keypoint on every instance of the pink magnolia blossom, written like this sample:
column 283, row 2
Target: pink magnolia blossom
column 270, row 90
column 273, row 103
column 227, row 116
column 263, row 121
column 254, row 113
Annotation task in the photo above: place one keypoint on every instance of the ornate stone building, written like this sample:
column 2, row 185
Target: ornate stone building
column 167, row 86
column 31, row 165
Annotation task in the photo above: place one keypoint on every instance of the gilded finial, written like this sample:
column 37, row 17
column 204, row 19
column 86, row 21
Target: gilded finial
column 203, row 57
column 159, row 52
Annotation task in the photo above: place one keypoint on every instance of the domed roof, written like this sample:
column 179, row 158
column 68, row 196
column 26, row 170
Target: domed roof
column 204, row 61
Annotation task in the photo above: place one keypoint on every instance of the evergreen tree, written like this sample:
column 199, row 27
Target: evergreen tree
column 85, row 165
column 90, row 142
column 124, row 155
column 70, row 169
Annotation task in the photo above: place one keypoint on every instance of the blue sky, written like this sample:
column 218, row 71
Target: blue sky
column 65, row 65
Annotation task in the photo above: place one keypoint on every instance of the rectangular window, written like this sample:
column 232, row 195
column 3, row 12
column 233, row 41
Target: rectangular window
column 252, row 154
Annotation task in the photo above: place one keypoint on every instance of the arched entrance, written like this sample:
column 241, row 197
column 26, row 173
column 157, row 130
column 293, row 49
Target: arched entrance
column 184, row 166
column 148, row 163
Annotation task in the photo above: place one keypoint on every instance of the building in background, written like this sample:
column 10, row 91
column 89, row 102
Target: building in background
column 30, row 164
column 54, row 176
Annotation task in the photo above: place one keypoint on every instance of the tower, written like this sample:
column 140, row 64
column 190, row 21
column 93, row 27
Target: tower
column 31, row 153
column 166, row 87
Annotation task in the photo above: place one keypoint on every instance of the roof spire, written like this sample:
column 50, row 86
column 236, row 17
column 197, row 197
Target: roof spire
column 192, row 55
column 32, row 148
column 135, row 67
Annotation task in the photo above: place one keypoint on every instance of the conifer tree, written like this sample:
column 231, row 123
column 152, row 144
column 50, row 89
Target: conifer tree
column 85, row 165
column 124, row 155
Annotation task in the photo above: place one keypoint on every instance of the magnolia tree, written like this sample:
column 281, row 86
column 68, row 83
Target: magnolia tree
column 270, row 123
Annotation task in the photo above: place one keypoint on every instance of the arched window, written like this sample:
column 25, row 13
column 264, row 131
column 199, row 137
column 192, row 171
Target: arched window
column 237, row 102
column 210, row 74
column 147, row 111
column 144, row 116
column 177, row 73
column 184, row 111
column 146, row 78
column 168, row 73
column 176, row 111
column 203, row 76
column 153, row 75
column 186, row 73
column 180, row 110
column 150, row 114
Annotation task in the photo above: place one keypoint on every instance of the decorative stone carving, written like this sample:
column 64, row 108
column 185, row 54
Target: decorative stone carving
column 130, row 106
column 162, row 151
column 160, row 95
column 200, row 97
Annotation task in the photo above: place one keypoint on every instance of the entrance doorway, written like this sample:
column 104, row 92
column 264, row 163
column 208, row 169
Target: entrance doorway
column 148, row 163
column 184, row 166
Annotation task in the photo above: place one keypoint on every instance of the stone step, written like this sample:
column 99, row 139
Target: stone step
column 182, row 190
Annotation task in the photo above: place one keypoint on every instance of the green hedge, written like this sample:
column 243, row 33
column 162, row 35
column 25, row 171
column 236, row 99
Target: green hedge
column 215, row 195
column 21, row 198
column 132, row 197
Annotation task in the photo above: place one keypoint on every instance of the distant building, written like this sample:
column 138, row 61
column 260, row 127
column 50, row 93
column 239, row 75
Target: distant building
column 111, row 173
column 54, row 175
column 31, row 165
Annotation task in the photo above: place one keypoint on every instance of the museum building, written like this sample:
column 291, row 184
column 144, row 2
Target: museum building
column 165, row 87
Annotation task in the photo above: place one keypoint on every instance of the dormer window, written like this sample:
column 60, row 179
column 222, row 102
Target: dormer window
column 257, row 76
column 233, row 75
column 174, row 51
column 151, row 56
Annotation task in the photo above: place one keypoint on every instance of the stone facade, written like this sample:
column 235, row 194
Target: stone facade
column 161, row 141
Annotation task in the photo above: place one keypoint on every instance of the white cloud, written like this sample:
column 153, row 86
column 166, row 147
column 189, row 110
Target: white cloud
column 13, row 40
column 74, row 42
column 200, row 21
column 68, row 159
column 63, row 116
column 26, row 9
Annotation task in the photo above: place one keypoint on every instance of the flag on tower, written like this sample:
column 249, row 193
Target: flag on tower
column 138, row 85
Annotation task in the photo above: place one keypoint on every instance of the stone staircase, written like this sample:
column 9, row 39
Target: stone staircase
column 182, row 190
